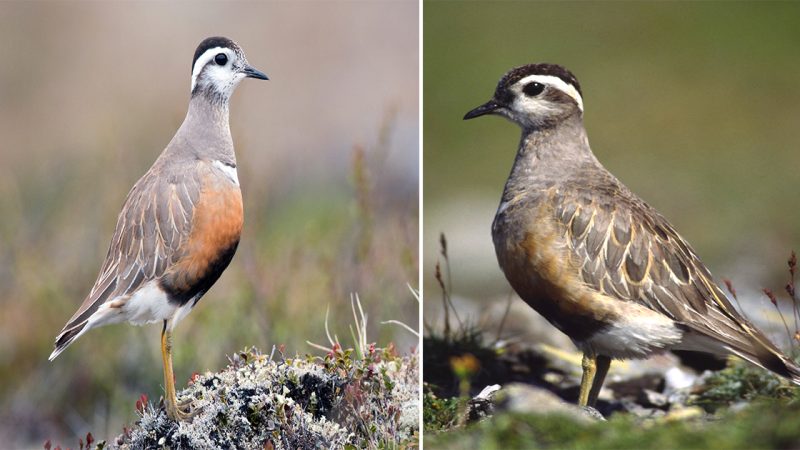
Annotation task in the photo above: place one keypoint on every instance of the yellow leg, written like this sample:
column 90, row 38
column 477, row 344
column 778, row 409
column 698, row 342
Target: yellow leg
column 602, row 363
column 175, row 411
column 589, row 369
column 595, row 369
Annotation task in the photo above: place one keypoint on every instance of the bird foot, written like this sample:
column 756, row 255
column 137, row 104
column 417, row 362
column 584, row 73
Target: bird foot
column 186, row 402
column 182, row 411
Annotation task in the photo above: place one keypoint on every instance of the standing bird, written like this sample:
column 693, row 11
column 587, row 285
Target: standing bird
column 181, row 222
column 593, row 258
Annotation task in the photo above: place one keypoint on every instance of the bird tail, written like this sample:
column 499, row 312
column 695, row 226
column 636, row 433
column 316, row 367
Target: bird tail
column 66, row 337
column 765, row 355
column 752, row 346
column 794, row 371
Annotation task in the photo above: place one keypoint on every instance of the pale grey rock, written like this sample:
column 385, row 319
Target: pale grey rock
column 527, row 399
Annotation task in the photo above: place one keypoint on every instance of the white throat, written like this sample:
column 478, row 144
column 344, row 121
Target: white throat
column 205, row 58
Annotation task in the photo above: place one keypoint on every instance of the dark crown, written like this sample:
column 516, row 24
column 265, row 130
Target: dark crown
column 521, row 72
column 213, row 42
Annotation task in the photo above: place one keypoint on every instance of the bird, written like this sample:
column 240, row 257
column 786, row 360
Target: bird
column 181, row 222
column 593, row 258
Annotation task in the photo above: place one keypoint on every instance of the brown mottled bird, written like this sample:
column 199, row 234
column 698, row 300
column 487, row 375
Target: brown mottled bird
column 181, row 222
column 590, row 256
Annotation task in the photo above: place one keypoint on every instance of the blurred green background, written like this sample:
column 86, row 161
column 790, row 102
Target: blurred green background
column 695, row 106
column 90, row 93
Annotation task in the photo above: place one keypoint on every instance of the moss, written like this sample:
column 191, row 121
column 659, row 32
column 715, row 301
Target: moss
column 314, row 402
column 763, row 425
column 438, row 413
column 742, row 382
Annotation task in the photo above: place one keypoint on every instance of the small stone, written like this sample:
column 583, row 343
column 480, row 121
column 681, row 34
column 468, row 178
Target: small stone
column 680, row 397
column 684, row 413
column 676, row 378
column 488, row 392
column 654, row 398
column 523, row 398
column 553, row 378
column 593, row 413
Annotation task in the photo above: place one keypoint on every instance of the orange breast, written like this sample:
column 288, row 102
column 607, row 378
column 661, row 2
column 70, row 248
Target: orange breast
column 539, row 268
column 216, row 228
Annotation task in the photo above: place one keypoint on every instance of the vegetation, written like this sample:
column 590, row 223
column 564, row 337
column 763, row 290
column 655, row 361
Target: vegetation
column 742, row 382
column 363, row 396
column 741, row 406
column 764, row 424
column 260, row 401
column 439, row 413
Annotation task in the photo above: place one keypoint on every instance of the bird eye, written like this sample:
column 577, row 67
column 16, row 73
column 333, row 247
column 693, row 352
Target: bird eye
column 221, row 59
column 533, row 89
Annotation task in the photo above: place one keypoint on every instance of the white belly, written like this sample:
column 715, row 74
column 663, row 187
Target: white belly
column 641, row 333
column 149, row 304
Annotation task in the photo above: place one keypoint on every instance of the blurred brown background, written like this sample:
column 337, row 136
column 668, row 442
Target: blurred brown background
column 90, row 93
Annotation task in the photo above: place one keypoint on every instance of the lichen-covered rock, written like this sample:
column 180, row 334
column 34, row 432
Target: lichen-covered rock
column 260, row 402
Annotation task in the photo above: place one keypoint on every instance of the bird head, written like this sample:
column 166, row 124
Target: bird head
column 218, row 67
column 534, row 96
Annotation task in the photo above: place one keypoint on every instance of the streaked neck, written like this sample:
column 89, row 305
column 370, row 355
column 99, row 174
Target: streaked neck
column 206, row 131
column 546, row 155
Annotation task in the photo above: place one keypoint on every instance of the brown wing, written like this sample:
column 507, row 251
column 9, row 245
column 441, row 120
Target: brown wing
column 154, row 221
column 628, row 251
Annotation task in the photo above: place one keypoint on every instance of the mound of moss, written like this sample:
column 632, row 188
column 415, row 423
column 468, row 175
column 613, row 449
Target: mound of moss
column 334, row 401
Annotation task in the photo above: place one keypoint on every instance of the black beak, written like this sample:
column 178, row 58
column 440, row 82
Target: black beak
column 487, row 108
column 252, row 72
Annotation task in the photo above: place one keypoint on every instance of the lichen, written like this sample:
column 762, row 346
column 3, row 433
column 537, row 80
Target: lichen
column 313, row 402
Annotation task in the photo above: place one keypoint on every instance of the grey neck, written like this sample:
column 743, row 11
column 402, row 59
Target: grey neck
column 205, row 132
column 548, row 155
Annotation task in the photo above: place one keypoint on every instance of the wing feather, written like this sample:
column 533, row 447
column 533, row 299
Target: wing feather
column 154, row 221
column 630, row 252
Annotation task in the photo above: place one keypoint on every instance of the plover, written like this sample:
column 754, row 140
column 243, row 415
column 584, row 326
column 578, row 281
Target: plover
column 181, row 222
column 590, row 256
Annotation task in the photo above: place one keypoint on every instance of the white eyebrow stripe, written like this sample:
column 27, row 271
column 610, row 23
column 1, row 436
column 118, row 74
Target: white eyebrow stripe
column 204, row 59
column 557, row 83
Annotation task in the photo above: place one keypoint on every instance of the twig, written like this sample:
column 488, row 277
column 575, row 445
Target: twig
column 729, row 285
column 438, row 275
column 447, row 292
column 790, row 289
column 397, row 322
column 774, row 300
column 505, row 316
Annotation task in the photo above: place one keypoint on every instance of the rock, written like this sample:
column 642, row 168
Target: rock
column 654, row 398
column 684, row 413
column 633, row 388
column 593, row 413
column 523, row 398
column 482, row 405
column 640, row 411
column 676, row 378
